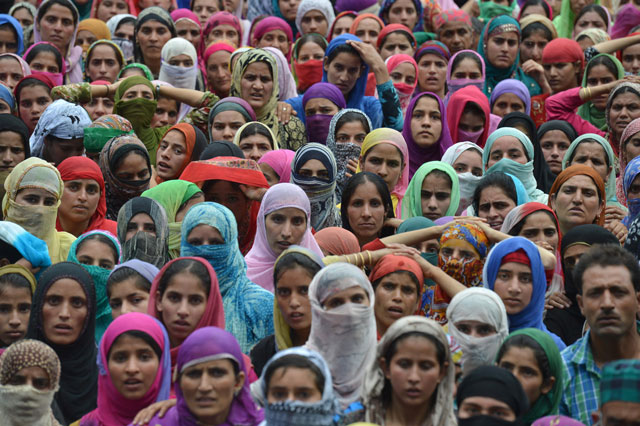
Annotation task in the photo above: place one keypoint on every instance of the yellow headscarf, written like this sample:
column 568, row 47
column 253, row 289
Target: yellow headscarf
column 236, row 138
column 22, row 271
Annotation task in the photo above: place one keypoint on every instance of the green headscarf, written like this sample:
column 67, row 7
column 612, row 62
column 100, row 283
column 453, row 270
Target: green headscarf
column 489, row 9
column 412, row 201
column 587, row 110
column 145, row 69
column 565, row 21
column 172, row 195
column 546, row 404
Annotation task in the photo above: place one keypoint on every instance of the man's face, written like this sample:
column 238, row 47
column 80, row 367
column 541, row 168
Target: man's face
column 621, row 413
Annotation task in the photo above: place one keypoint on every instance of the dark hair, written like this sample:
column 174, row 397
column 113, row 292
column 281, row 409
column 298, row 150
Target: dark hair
column 192, row 266
column 295, row 361
column 441, row 174
column 102, row 239
column 125, row 273
column 477, row 25
column 602, row 60
column 604, row 255
column 590, row 140
column 544, row 4
column 465, row 55
column 14, row 280
column 536, row 27
column 126, row 20
column 409, row 274
column 350, row 187
column 351, row 116
column 46, row 48
column 256, row 128
column 497, row 179
column 139, row 334
column 11, row 28
column 594, row 8
column 518, row 226
column 45, row 6
column 291, row 261
column 473, row 108
column 28, row 82
column 524, row 341
column 401, row 31
column 9, row 252
column 310, row 38
column 342, row 48
column 115, row 52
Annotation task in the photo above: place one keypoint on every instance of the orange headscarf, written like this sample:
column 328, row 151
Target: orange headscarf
column 361, row 18
column 576, row 170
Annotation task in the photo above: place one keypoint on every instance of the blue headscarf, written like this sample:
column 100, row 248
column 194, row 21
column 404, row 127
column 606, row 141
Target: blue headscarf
column 248, row 308
column 386, row 5
column 7, row 96
column 630, row 172
column 8, row 19
column 356, row 96
column 29, row 246
column 531, row 316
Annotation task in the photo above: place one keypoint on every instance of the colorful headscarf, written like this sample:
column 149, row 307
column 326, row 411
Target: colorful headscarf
column 386, row 5
column 104, row 128
column 361, row 17
column 455, row 84
column 576, row 170
column 587, row 110
column 467, row 180
column 619, row 381
column 145, row 69
column 268, row 24
column 317, row 125
column 412, row 204
column 96, row 27
column 630, row 173
column 631, row 130
column 143, row 245
column 403, row 90
column 452, row 15
column 455, row 109
column 391, row 263
column 17, row 28
column 280, row 161
column 33, row 249
column 217, row 19
column 194, row 146
column 515, row 87
column 563, row 50
column 535, row 18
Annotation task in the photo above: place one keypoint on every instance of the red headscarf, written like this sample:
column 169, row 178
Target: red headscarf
column 360, row 18
column 393, row 28
column 83, row 168
column 563, row 50
column 189, row 134
column 394, row 263
column 455, row 108
column 351, row 13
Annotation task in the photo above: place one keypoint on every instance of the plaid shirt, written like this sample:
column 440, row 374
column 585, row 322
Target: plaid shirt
column 581, row 393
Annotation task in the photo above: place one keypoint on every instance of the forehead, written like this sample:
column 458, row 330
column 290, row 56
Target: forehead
column 580, row 181
column 606, row 276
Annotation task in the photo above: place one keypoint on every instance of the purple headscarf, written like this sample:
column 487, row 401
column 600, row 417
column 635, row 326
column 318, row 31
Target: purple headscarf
column 206, row 344
column 327, row 91
column 355, row 5
column 512, row 86
column 453, row 84
column 317, row 125
column 417, row 155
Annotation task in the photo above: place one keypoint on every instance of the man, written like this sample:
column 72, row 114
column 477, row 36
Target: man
column 619, row 394
column 454, row 29
column 607, row 279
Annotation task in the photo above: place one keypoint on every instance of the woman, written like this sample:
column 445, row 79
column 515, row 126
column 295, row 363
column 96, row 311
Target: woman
column 179, row 146
column 153, row 30
column 284, row 219
column 122, row 28
column 366, row 27
column 17, row 285
column 508, row 96
column 466, row 160
column 495, row 196
column 602, row 68
column 555, row 137
column 631, row 191
column 227, row 116
column 143, row 230
column 188, row 27
column 255, row 77
column 537, row 32
column 314, row 17
column 104, row 61
column 314, row 170
column 591, row 16
column 128, row 287
column 433, row 192
column 629, row 149
column 205, row 349
column 407, row 13
column 465, row 68
column 215, row 60
column 176, row 198
column 209, row 232
column 432, row 58
column 101, row 130
column 396, row 39
column 33, row 192
column 126, row 166
column 89, row 31
column 276, row 166
column 14, row 69
column 72, row 286
column 503, row 32
column 306, row 61
column 222, row 26
column 403, row 70
column 14, row 147
column 320, row 103
column 275, row 32
column 179, row 67
column 32, row 98
column 343, row 326
column 133, row 342
column 105, row 10
column 468, row 116
column 255, row 140
column 478, row 323
column 23, row 12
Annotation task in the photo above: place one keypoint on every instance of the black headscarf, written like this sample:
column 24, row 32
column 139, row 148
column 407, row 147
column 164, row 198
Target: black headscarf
column 633, row 238
column 568, row 323
column 11, row 123
column 541, row 170
column 221, row 149
column 563, row 126
column 79, row 375
column 201, row 143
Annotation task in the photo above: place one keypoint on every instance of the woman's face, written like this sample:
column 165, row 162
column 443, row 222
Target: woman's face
column 224, row 32
column 469, row 161
column 33, row 101
column 225, row 125
column 403, row 12
column 133, row 167
column 23, row 16
column 172, row 155
column 590, row 19
column 506, row 147
column 554, row 145
column 255, row 146
column 576, row 202
column 218, row 73
column 277, row 39
column 64, row 312
column 404, row 73
column 624, row 109
column 534, row 9
column 368, row 31
column 414, row 371
column 293, row 384
column 596, row 76
column 229, row 195
column 314, row 21
column 631, row 59
column 385, row 160
column 532, row 46
column 541, row 227
column 189, row 31
column 84, row 39
column 151, row 37
column 36, row 197
column 342, row 25
column 126, row 296
column 204, row 9
column 314, row 169
column 467, row 68
column 289, row 8
column 561, row 76
column 205, row 235
column 181, row 306
column 96, row 253
column 351, row 132
column 366, row 212
column 8, row 41
column 435, row 196
column 269, row 174
column 522, row 363
column 514, row 285
column 396, row 296
column 209, row 388
column 98, row 107
column 182, row 61
column 110, row 8
column 166, row 113
column 140, row 222
column 125, row 31
column 591, row 154
column 257, row 85
column 57, row 26
column 459, row 250
column 284, row 228
column 502, row 49
column 494, row 205
column 292, row 295
column 10, row 72
column 432, row 73
column 15, row 309
column 475, row 328
column 344, row 71
column 309, row 51
column 133, row 366
column 138, row 91
column 395, row 44
column 426, row 122
column 320, row 106
column 103, row 64
column 356, row 295
column 11, row 150
column 186, row 206
column 471, row 121
column 631, row 148
column 507, row 103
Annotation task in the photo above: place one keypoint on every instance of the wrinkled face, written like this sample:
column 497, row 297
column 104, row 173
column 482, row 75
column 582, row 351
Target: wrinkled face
column 435, row 195
column 79, row 200
column 218, row 73
column 10, row 72
column 554, row 144
column 292, row 296
column 624, row 109
column 514, row 285
column 540, row 227
column 12, row 150
column 494, row 205
column 64, row 312
column 385, row 160
column 189, row 31
column 225, row 125
column 277, row 39
column 592, row 154
column 314, row 22
column 368, row 31
column 507, row 103
column 15, row 308
column 532, row 46
column 284, row 228
column 293, row 384
column 522, row 363
column 432, row 73
column 456, row 36
column 426, row 122
column 57, row 26
column 344, row 71
column 396, row 296
column 502, row 49
column 133, row 366
column 342, row 25
column 507, row 147
column 576, row 202
column 396, row 43
column 257, row 85
column 403, row 12
column 126, row 296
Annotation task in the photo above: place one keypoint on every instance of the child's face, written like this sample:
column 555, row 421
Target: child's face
column 293, row 384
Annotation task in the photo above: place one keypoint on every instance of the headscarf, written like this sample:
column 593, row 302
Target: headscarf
column 177, row 76
column 143, row 245
column 193, row 145
column 455, row 108
column 359, row 17
column 266, row 114
column 286, row 81
column 556, row 420
column 33, row 249
column 321, row 192
column 563, row 50
column 386, row 5
column 532, row 315
column 618, row 382
column 11, row 123
column 392, row 28
column 117, row 190
column 217, row 19
column 203, row 345
column 231, row 103
column 17, row 29
column 515, row 87
column 455, row 84
column 632, row 129
column 115, row 21
column 261, row 258
column 317, row 125
column 484, row 306
column 561, row 125
column 412, row 205
column 627, row 19
column 337, row 241
column 153, row 13
column 433, row 47
column 113, row 408
column 23, row 4
column 213, row 312
column 546, row 403
column 578, row 170
column 26, row 70
column 355, row 99
column 566, row 20
column 533, row 18
column 403, row 90
column 375, row 380
column 280, row 161
column 596, row 35
column 248, row 308
column 392, row 263
column 587, row 110
column 419, row 155
column 323, row 6
column 489, row 9
column 467, row 180
column 524, row 172
column 624, row 87
column 221, row 149
column 395, row 138
column 7, row 96
column 79, row 374
column 630, row 172
column 28, row 353
column 62, row 120
column 268, row 24
column 96, row 27
column 144, row 269
column 142, row 67
column 104, row 128
column 297, row 412
column 345, row 336
column 172, row 195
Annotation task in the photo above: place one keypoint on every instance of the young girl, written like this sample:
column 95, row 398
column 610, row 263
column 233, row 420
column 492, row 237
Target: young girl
column 466, row 68
column 468, row 116
column 128, row 287
column 495, row 196
column 17, row 285
column 433, row 192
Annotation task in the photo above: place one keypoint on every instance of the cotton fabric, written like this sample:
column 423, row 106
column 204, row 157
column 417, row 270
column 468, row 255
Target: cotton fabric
column 280, row 161
column 32, row 248
column 143, row 245
column 455, row 108
column 455, row 84
column 412, row 205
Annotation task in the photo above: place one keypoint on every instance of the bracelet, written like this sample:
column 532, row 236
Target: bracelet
column 369, row 257
column 157, row 90
column 107, row 86
column 587, row 92
column 362, row 259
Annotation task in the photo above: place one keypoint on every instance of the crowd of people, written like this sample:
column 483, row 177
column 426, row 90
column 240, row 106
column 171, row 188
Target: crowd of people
column 319, row 212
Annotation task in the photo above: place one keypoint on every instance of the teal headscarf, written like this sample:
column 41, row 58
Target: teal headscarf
column 99, row 276
column 145, row 69
column 524, row 172
column 489, row 9
column 412, row 202
column 587, row 110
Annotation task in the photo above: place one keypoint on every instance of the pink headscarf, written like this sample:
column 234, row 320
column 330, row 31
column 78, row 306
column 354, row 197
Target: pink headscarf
column 280, row 161
column 404, row 90
column 261, row 258
column 272, row 23
column 57, row 78
column 23, row 64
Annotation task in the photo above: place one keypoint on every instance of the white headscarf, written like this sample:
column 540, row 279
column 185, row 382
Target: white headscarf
column 485, row 306
column 114, row 22
column 345, row 336
column 323, row 6
column 181, row 77
column 468, row 181
column 62, row 120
